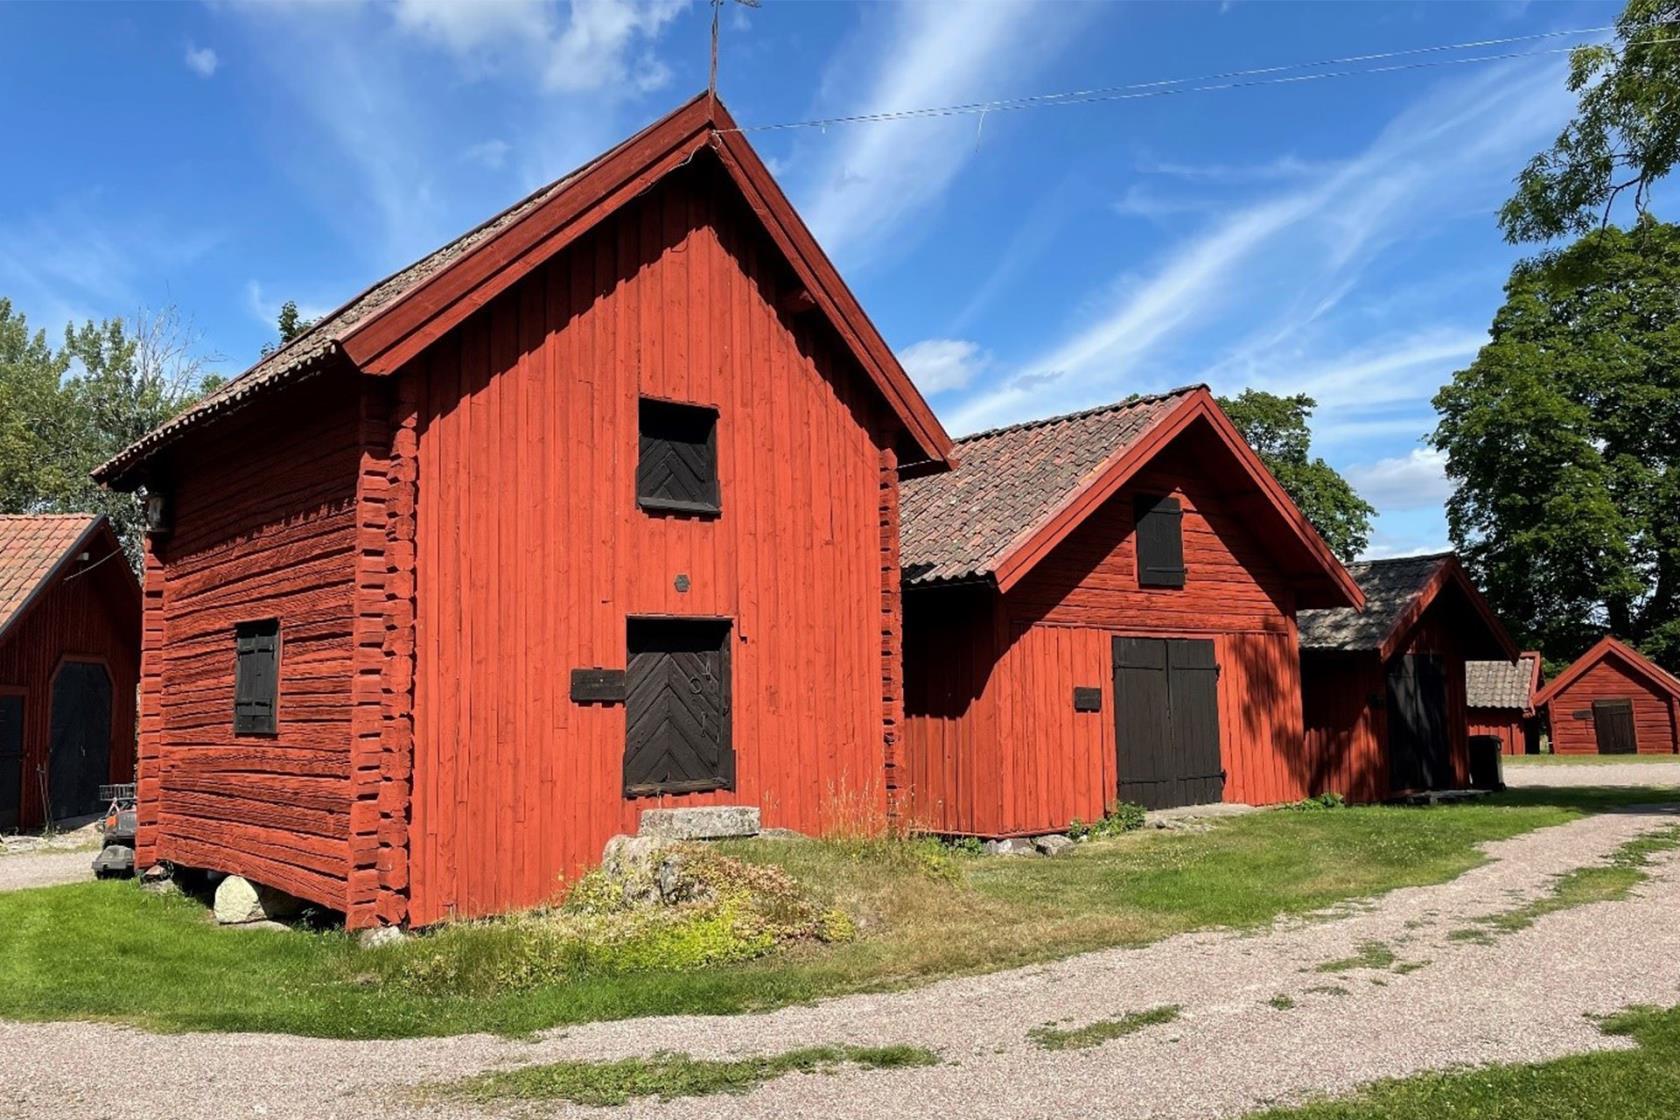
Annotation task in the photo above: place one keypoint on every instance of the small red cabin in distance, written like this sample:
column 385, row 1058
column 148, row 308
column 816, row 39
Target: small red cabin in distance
column 593, row 510
column 1500, row 698
column 1100, row 607
column 69, row 660
column 1612, row 700
column 1383, row 688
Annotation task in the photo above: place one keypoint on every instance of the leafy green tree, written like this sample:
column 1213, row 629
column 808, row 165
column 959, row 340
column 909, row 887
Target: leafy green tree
column 1278, row 430
column 1564, row 438
column 65, row 411
column 291, row 323
column 1624, row 137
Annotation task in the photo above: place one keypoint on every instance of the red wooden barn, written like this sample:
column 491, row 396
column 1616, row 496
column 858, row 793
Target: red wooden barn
column 69, row 660
column 593, row 510
column 1500, row 698
column 1383, row 688
column 1101, row 607
column 1612, row 700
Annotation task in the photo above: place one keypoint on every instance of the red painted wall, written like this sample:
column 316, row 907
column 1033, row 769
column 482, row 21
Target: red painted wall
column 531, row 553
column 260, row 531
column 993, row 745
column 95, row 617
column 1504, row 724
column 1654, row 716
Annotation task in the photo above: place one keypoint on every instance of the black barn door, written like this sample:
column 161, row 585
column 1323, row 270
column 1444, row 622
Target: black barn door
column 11, row 761
column 1613, row 725
column 80, row 761
column 1166, row 722
column 1419, row 749
column 677, row 726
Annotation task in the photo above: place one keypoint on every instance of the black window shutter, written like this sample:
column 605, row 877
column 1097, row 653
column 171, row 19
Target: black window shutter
column 676, row 467
column 1160, row 541
column 256, row 677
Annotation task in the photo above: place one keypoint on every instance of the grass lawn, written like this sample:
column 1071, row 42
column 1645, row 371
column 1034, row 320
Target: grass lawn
column 1639, row 1084
column 1584, row 759
column 109, row 951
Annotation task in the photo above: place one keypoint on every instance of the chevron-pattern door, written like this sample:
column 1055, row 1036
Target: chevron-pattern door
column 677, row 728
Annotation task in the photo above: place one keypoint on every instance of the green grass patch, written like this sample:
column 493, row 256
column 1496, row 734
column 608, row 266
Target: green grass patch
column 916, row 912
column 1052, row 1037
column 1329, row 990
column 1281, row 1002
column 1611, row 881
column 1372, row 954
column 1638, row 1084
column 668, row 1075
column 1584, row 759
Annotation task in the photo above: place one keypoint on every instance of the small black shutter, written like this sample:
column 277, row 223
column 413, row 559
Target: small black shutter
column 677, row 736
column 11, row 760
column 1613, row 726
column 676, row 469
column 256, row 677
column 1160, row 541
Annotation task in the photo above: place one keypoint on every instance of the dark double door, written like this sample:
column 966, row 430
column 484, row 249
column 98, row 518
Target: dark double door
column 79, row 761
column 1419, row 739
column 1166, row 722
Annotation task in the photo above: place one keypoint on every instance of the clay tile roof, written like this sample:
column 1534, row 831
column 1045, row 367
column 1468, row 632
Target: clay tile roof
column 1389, row 586
column 31, row 547
column 1500, row 684
column 1008, row 481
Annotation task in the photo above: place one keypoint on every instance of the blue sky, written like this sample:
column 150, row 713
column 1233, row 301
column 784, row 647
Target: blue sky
column 1335, row 237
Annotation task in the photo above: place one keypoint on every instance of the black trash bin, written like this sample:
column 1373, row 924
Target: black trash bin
column 1485, row 762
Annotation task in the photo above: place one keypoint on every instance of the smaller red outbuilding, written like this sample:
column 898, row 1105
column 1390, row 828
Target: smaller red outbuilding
column 69, row 662
column 1500, row 696
column 1613, row 700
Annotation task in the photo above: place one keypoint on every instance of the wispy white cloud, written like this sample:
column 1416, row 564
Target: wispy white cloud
column 937, row 365
column 265, row 308
column 488, row 153
column 1279, row 266
column 873, row 178
column 1415, row 480
column 202, row 61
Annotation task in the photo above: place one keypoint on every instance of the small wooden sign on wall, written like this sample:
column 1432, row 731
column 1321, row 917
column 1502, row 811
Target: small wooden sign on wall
column 598, row 686
column 1087, row 699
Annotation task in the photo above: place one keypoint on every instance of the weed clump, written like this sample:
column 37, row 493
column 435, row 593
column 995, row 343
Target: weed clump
column 1123, row 817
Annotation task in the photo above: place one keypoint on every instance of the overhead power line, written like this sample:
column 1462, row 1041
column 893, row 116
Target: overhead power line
column 1225, row 80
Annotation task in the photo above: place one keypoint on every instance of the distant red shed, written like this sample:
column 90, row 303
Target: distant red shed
column 69, row 660
column 1100, row 607
column 1383, row 688
column 593, row 510
column 1500, row 698
column 1613, row 700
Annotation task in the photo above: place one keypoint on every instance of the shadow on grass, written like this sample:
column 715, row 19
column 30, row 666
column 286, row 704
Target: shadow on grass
column 1593, row 799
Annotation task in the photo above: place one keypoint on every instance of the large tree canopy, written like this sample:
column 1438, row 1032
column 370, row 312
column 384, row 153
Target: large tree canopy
column 1564, row 438
column 65, row 410
column 1278, row 430
column 1624, row 137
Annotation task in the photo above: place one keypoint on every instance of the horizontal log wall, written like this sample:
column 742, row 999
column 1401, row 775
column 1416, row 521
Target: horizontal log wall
column 532, row 554
column 994, row 746
column 1653, row 710
column 88, row 618
column 264, row 512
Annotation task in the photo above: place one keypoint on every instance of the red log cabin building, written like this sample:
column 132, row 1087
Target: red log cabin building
column 1101, row 607
column 595, row 509
column 1500, row 698
column 1383, row 689
column 1612, row 700
column 69, row 661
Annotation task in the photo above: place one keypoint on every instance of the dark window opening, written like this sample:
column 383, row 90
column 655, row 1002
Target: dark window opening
column 1160, row 541
column 256, row 677
column 677, row 707
column 676, row 470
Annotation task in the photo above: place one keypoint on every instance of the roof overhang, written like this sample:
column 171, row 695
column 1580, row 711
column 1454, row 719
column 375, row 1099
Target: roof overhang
column 99, row 527
column 1605, row 648
column 1329, row 584
column 1448, row 574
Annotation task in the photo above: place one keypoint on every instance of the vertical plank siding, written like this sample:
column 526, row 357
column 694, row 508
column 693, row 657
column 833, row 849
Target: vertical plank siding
column 1504, row 724
column 89, row 618
column 1654, row 710
column 260, row 532
column 994, row 746
column 531, row 553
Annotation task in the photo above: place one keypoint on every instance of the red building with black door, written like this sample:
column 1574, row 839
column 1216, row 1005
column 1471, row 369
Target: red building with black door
column 1612, row 700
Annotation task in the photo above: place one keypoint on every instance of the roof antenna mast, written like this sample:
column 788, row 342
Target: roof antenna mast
column 711, row 79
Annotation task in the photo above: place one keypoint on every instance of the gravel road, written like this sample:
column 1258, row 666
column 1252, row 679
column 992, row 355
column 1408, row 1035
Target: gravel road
column 45, row 868
column 1519, row 775
column 1523, row 998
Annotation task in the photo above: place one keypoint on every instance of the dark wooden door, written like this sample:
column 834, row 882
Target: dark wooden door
column 1166, row 722
column 11, row 761
column 80, row 758
column 677, row 708
column 1613, row 725
column 1419, row 747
